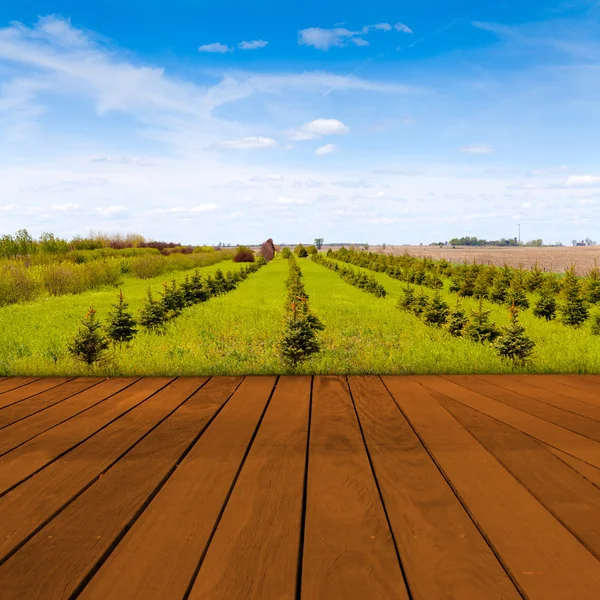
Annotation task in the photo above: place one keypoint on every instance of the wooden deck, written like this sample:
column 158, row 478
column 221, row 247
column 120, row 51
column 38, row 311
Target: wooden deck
column 458, row 487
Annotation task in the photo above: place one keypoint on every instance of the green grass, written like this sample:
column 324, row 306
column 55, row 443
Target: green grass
column 370, row 335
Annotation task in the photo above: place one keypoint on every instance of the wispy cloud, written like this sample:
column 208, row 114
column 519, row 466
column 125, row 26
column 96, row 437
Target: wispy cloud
column 326, row 149
column 254, row 45
column 477, row 149
column 216, row 48
column 402, row 27
column 247, row 143
column 324, row 39
column 317, row 129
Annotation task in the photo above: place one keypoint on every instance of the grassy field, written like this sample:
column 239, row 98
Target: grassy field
column 236, row 333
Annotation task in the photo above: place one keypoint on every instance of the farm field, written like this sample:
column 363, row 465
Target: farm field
column 237, row 333
column 550, row 259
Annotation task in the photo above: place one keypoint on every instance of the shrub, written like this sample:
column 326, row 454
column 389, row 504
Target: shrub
column 302, row 253
column 121, row 324
column 148, row 266
column 90, row 343
column 243, row 254
column 512, row 343
column 17, row 284
column 286, row 253
column 312, row 249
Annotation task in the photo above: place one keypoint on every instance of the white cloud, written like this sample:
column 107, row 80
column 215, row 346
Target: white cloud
column 318, row 128
column 204, row 207
column 247, row 143
column 267, row 178
column 64, row 207
column 477, row 149
column 110, row 211
column 402, row 27
column 121, row 160
column 582, row 181
column 254, row 45
column 326, row 149
column 286, row 200
column 323, row 39
column 217, row 48
column 382, row 27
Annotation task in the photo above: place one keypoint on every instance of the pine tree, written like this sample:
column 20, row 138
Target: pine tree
column 90, row 343
column 457, row 321
column 593, row 285
column 545, row 308
column 512, row 342
column 479, row 329
column 535, row 279
column 153, row 316
column 574, row 311
column 406, row 301
column 437, row 312
column 121, row 324
column 516, row 294
column 420, row 304
column 499, row 290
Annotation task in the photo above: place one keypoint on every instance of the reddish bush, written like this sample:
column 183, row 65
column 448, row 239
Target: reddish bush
column 243, row 254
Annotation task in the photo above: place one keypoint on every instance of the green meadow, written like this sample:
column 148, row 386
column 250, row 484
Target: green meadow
column 237, row 333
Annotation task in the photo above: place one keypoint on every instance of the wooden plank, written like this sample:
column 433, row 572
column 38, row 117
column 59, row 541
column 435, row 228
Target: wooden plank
column 28, row 506
column 563, row 418
column 517, row 384
column 567, row 441
column 592, row 474
column 25, row 460
column 348, row 550
column 254, row 552
column 19, row 433
column 589, row 383
column 525, row 536
column 554, row 385
column 31, row 389
column 158, row 556
column 443, row 553
column 12, row 383
column 573, row 500
column 57, row 560
column 31, row 406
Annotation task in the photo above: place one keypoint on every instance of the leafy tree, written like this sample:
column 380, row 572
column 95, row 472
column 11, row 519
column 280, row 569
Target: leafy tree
column 512, row 343
column 545, row 308
column 153, row 315
column 121, row 324
column 479, row 328
column 574, row 311
column 90, row 342
column 437, row 312
column 318, row 243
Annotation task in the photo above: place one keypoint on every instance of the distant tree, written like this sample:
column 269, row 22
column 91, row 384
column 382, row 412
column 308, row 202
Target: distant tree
column 318, row 243
column 90, row 342
column 286, row 252
column 267, row 250
column 302, row 253
column 121, row 324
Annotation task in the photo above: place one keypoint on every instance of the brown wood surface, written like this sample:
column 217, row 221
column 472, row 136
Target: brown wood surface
column 349, row 551
column 31, row 389
column 463, row 487
column 45, row 448
column 57, row 559
column 563, row 418
column 19, row 433
column 259, row 532
column 158, row 556
column 45, row 400
column 431, row 528
column 573, row 500
column 11, row 383
column 526, row 536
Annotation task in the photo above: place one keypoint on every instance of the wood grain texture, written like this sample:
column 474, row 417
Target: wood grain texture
column 573, row 500
column 588, row 383
column 348, row 547
column 20, row 432
column 254, row 552
column 11, row 383
column 567, row 441
column 555, row 385
column 526, row 537
column 45, row 448
column 592, row 474
column 57, row 559
column 45, row 400
column 158, row 556
column 433, row 531
column 31, row 389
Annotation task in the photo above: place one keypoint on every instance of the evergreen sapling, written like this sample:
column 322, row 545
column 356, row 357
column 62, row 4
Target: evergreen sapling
column 512, row 342
column 121, row 326
column 90, row 342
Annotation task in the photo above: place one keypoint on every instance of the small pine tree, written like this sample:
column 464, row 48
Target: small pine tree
column 535, row 279
column 90, row 343
column 593, row 285
column 499, row 290
column 516, row 294
column 121, row 324
column 457, row 321
column 153, row 316
column 479, row 329
column 545, row 308
column 420, row 304
column 574, row 311
column 406, row 301
column 512, row 343
column 437, row 312
column 596, row 324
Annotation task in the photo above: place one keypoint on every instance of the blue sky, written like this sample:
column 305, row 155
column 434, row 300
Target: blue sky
column 206, row 122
